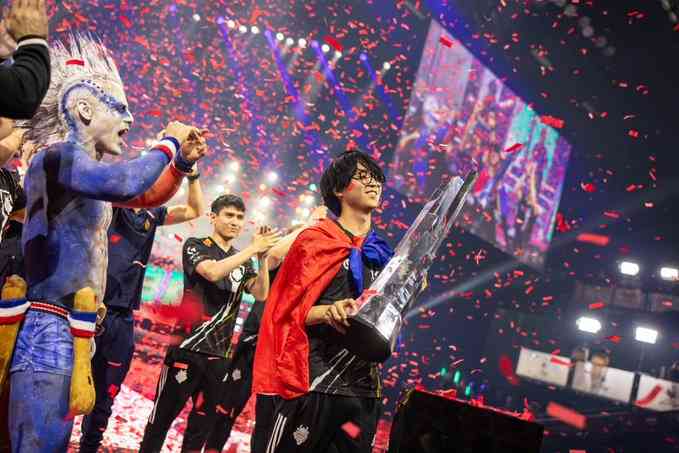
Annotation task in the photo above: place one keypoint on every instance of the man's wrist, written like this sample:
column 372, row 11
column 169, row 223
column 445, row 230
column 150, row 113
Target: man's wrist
column 193, row 176
column 29, row 40
column 183, row 165
column 169, row 146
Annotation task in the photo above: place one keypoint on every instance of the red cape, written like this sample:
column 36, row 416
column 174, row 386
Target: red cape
column 282, row 357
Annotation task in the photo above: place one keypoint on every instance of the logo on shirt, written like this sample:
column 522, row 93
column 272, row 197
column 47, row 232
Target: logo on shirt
column 207, row 242
column 301, row 434
column 236, row 277
column 236, row 375
column 181, row 376
column 147, row 225
column 6, row 204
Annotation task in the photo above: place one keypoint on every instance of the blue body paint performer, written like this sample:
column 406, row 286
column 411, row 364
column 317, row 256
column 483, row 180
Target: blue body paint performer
column 69, row 204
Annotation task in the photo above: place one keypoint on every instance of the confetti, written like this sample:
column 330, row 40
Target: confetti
column 596, row 239
column 567, row 415
column 351, row 429
column 446, row 41
column 650, row 397
column 332, row 42
column 514, row 148
column 556, row 123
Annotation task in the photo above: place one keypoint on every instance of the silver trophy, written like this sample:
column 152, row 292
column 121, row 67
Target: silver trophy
column 375, row 328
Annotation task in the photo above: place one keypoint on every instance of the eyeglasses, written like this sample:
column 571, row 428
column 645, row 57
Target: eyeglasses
column 365, row 177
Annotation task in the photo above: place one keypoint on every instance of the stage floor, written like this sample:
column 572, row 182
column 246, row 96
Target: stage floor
column 131, row 410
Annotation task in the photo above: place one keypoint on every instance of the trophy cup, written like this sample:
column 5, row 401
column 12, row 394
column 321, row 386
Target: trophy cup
column 375, row 327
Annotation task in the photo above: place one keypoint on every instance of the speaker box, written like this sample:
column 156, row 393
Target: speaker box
column 430, row 423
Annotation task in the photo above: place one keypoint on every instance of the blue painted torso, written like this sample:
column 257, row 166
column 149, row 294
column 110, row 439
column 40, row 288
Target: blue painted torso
column 69, row 210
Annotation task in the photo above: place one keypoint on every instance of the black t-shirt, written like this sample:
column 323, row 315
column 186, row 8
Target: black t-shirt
column 12, row 197
column 208, row 311
column 11, row 255
column 247, row 341
column 332, row 368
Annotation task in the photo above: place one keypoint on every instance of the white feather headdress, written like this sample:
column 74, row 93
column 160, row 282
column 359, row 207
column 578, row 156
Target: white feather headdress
column 84, row 60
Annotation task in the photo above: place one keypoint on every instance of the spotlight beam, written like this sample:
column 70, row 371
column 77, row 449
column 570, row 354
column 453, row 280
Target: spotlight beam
column 354, row 122
column 299, row 109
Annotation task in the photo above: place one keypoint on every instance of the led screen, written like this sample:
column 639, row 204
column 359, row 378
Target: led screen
column 162, row 286
column 461, row 116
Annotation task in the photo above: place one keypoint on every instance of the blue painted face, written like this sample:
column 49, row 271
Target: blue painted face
column 110, row 117
column 111, row 120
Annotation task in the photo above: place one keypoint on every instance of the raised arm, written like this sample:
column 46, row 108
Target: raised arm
column 167, row 185
column 75, row 170
column 194, row 207
column 25, row 83
column 259, row 286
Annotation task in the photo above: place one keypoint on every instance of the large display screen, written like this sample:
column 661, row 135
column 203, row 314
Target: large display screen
column 542, row 366
column 601, row 380
column 162, row 286
column 461, row 116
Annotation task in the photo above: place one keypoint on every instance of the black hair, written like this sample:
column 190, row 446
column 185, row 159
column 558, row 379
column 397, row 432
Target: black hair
column 338, row 175
column 224, row 201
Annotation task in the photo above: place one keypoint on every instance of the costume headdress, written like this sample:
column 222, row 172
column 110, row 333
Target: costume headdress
column 85, row 62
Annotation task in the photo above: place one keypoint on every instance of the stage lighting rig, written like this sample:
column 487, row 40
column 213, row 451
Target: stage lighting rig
column 671, row 274
column 646, row 335
column 589, row 325
column 629, row 268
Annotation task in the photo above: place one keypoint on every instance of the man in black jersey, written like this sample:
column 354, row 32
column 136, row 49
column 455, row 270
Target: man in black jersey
column 237, row 383
column 215, row 277
column 325, row 398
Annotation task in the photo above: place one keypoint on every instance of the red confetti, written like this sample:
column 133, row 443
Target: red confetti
column 596, row 239
column 514, row 148
column 588, row 187
column 648, row 399
column 332, row 42
column 561, row 225
column 614, row 338
column 75, row 62
column 446, row 41
column 278, row 192
column 178, row 238
column 633, row 133
column 567, row 415
column 115, row 238
column 126, row 22
column 351, row 429
column 556, row 123
column 596, row 305
column 507, row 370
column 558, row 361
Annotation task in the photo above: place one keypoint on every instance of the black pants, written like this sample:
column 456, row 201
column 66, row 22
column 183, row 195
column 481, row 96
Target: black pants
column 265, row 412
column 234, row 394
column 110, row 364
column 185, row 375
column 4, row 418
column 321, row 423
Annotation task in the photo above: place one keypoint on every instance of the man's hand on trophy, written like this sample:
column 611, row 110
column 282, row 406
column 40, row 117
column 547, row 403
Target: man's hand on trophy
column 337, row 314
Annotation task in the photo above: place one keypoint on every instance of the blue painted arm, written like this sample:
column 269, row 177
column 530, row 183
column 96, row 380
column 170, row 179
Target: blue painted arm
column 116, row 182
